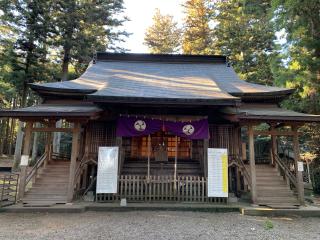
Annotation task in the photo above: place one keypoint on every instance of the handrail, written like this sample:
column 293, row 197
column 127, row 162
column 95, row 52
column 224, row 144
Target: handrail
column 286, row 170
column 35, row 168
column 60, row 156
column 245, row 170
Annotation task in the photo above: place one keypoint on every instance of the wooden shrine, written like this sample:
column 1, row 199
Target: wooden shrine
column 162, row 165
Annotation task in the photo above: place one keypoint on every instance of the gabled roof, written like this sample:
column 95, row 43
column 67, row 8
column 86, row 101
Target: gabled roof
column 179, row 79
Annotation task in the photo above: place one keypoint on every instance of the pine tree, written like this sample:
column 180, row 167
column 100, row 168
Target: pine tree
column 197, row 35
column 164, row 35
column 301, row 22
column 244, row 32
column 82, row 27
column 30, row 21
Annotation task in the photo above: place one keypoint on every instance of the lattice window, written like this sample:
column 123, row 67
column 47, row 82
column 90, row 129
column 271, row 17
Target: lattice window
column 138, row 146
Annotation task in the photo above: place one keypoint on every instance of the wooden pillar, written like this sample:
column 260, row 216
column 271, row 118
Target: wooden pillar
column 25, row 159
column 274, row 147
column 205, row 156
column 121, row 154
column 299, row 176
column 149, row 155
column 176, row 159
column 252, row 165
column 73, row 161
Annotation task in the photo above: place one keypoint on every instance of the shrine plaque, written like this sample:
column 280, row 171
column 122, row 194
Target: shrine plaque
column 217, row 172
column 107, row 175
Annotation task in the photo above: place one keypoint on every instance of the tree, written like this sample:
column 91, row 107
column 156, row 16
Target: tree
column 164, row 35
column 300, row 21
column 30, row 21
column 82, row 27
column 244, row 32
column 197, row 34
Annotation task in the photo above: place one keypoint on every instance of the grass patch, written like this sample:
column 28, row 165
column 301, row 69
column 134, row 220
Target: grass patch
column 268, row 225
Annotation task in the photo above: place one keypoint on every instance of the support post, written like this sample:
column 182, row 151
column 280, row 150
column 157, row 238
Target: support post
column 205, row 156
column 149, row 155
column 73, row 161
column 252, row 165
column 175, row 164
column 299, row 177
column 48, row 149
column 274, row 149
column 24, row 165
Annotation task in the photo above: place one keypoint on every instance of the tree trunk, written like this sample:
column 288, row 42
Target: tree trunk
column 35, row 145
column 17, row 151
column 65, row 64
column 57, row 138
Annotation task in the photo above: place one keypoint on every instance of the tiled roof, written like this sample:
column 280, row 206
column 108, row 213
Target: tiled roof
column 168, row 78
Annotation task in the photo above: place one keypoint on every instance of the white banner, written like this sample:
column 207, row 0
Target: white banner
column 217, row 172
column 107, row 176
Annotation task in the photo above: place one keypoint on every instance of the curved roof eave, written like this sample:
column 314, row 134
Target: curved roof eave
column 39, row 87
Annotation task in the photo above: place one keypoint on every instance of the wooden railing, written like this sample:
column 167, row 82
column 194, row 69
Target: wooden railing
column 34, row 171
column 288, row 175
column 245, row 172
column 8, row 188
column 239, row 162
column 137, row 188
column 60, row 156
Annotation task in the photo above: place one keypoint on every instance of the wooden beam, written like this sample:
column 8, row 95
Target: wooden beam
column 52, row 129
column 274, row 133
column 299, row 176
column 24, row 166
column 73, row 161
column 252, row 165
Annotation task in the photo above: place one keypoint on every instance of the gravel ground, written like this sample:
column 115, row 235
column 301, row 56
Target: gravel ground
column 154, row 225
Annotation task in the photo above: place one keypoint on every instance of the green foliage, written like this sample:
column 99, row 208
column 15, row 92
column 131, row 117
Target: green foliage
column 197, row 34
column 268, row 225
column 83, row 27
column 245, row 34
column 164, row 35
column 316, row 179
column 301, row 69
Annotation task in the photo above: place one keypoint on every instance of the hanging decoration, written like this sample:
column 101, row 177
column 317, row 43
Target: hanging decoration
column 135, row 126
column 191, row 130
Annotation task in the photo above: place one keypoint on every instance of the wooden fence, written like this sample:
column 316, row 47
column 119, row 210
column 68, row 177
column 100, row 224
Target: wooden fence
column 8, row 188
column 161, row 188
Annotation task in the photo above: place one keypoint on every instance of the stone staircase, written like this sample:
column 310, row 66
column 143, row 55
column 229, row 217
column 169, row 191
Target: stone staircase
column 51, row 185
column 272, row 190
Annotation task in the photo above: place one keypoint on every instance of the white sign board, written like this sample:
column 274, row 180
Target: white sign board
column 300, row 166
column 107, row 176
column 217, row 172
column 24, row 160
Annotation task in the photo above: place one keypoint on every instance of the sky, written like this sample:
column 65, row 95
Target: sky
column 140, row 12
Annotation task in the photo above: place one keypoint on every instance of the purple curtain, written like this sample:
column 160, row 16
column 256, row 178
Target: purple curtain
column 131, row 126
column 134, row 126
column 191, row 130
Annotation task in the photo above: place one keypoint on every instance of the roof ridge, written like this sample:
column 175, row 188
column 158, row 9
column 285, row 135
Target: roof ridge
column 144, row 57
